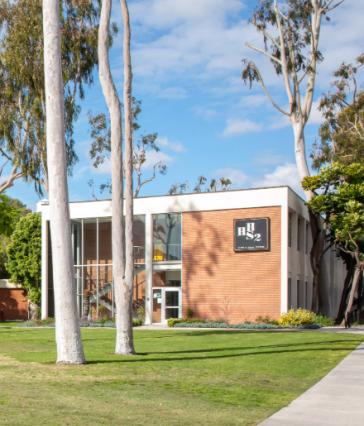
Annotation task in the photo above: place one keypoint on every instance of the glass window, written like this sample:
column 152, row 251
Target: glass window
column 167, row 237
column 307, row 237
column 299, row 223
column 290, row 230
column 289, row 293
column 139, row 238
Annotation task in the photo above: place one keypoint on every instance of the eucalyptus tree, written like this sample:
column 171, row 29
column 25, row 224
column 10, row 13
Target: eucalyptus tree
column 126, row 344
column 342, row 132
column 22, row 100
column 144, row 145
column 68, row 335
column 121, row 249
column 291, row 35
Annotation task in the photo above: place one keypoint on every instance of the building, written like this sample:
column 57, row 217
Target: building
column 231, row 255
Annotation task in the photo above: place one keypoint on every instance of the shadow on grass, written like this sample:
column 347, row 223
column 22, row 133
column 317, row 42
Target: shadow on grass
column 236, row 348
column 128, row 359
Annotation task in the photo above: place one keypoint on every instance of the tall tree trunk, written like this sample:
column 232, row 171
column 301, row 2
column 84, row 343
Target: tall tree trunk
column 317, row 233
column 350, row 268
column 68, row 336
column 356, row 279
column 126, row 343
column 113, row 104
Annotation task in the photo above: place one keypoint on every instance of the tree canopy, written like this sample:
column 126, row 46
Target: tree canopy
column 22, row 101
column 342, row 133
column 24, row 254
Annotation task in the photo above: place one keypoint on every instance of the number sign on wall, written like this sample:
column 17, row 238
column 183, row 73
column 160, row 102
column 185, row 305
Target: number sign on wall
column 251, row 234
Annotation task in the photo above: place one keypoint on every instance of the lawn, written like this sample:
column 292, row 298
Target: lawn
column 179, row 377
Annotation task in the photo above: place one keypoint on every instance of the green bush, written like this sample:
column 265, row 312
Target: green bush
column 265, row 320
column 171, row 322
column 297, row 317
column 323, row 321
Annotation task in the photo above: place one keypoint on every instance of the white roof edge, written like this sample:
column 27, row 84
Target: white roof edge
column 223, row 200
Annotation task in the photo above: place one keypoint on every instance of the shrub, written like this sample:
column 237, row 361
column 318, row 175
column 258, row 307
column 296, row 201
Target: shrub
column 265, row 320
column 189, row 313
column 324, row 321
column 298, row 317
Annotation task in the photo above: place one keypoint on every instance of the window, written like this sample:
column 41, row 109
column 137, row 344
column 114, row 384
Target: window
column 307, row 237
column 290, row 230
column 289, row 297
column 299, row 226
column 167, row 237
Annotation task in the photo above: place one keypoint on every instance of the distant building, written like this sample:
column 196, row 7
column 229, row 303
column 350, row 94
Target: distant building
column 231, row 255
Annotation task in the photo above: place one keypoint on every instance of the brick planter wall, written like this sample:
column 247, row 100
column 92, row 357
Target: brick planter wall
column 13, row 304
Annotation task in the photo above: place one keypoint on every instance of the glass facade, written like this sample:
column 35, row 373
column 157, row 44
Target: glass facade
column 92, row 254
column 167, row 237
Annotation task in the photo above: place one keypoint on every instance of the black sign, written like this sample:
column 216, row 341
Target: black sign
column 251, row 234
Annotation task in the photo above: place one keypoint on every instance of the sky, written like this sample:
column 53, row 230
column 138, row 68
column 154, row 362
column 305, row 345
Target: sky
column 187, row 62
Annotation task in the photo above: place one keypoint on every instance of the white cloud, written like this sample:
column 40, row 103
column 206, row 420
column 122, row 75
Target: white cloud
column 268, row 158
column 174, row 146
column 102, row 169
column 285, row 174
column 174, row 93
column 154, row 157
column 236, row 127
column 236, row 176
column 315, row 116
column 205, row 112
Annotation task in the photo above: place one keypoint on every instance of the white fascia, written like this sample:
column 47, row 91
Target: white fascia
column 225, row 200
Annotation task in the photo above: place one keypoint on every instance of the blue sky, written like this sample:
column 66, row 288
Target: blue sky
column 187, row 63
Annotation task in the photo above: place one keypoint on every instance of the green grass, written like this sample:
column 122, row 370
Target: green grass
column 180, row 377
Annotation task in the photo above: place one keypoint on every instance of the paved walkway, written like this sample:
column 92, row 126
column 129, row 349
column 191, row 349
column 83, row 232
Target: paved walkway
column 336, row 400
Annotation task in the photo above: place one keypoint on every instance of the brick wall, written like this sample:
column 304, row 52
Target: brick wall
column 218, row 283
column 13, row 304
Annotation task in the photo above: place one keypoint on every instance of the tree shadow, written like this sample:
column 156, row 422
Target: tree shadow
column 217, row 356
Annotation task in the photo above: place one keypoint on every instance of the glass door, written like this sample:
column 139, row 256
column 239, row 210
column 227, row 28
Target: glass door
column 172, row 303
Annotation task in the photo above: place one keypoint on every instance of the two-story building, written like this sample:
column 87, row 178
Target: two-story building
column 231, row 255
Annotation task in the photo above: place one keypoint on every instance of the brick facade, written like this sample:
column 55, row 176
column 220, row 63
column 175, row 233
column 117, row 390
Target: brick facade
column 13, row 304
column 218, row 283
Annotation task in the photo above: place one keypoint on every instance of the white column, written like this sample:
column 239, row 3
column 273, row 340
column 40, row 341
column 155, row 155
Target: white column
column 148, row 269
column 44, row 278
column 284, row 254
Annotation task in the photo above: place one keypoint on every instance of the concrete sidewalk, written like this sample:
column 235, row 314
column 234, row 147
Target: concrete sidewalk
column 336, row 400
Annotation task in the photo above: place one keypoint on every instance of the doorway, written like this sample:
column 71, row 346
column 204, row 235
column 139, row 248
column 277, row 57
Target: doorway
column 166, row 304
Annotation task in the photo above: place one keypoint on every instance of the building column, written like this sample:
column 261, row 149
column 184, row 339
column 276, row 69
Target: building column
column 44, row 277
column 148, row 269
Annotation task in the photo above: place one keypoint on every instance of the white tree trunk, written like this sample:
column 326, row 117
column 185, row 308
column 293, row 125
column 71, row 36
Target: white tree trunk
column 118, row 238
column 126, row 345
column 68, row 336
column 300, row 152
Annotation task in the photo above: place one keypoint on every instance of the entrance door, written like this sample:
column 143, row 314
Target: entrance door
column 157, row 305
column 172, row 303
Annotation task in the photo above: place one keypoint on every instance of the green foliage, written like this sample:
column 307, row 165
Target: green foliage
column 22, row 101
column 266, row 320
column 324, row 321
column 10, row 212
column 342, row 133
column 339, row 199
column 24, row 254
column 298, row 317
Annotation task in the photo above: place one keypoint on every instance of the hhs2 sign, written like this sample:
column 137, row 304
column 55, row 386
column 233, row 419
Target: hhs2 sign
column 251, row 234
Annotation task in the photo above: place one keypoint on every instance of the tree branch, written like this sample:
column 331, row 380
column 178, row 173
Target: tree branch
column 264, row 52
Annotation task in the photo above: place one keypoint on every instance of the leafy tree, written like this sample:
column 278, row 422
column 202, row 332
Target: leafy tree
column 339, row 199
column 22, row 100
column 342, row 133
column 202, row 185
column 11, row 210
column 24, row 256
column 291, row 34
column 142, row 147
